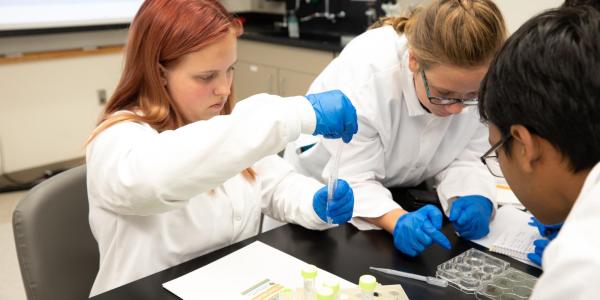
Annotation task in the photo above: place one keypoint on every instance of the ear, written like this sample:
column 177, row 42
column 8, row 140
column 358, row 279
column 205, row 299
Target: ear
column 526, row 148
column 163, row 74
column 413, row 64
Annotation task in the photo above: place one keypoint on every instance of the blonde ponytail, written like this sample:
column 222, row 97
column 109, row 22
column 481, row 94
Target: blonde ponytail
column 463, row 33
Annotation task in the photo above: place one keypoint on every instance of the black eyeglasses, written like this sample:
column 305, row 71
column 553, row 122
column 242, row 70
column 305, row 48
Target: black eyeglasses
column 490, row 158
column 445, row 100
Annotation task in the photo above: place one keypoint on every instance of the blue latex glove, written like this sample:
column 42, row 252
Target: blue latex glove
column 417, row 230
column 341, row 206
column 471, row 215
column 336, row 116
column 547, row 231
column 540, row 246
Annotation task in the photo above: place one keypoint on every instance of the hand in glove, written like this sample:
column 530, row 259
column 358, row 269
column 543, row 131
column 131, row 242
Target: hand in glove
column 417, row 230
column 341, row 206
column 471, row 215
column 547, row 231
column 336, row 116
column 540, row 246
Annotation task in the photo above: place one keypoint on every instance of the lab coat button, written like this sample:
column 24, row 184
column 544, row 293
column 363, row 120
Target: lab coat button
column 238, row 218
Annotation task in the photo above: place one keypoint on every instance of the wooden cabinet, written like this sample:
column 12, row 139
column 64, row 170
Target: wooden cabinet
column 276, row 69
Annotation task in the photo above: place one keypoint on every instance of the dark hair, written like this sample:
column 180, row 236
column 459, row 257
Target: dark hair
column 571, row 3
column 547, row 78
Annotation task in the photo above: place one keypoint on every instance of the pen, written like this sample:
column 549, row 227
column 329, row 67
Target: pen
column 429, row 279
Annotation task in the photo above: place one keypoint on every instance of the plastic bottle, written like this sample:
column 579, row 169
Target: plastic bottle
column 334, row 285
column 367, row 284
column 293, row 25
column 324, row 293
column 286, row 294
column 309, row 274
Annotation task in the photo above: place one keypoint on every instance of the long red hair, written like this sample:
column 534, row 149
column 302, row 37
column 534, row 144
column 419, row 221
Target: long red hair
column 162, row 32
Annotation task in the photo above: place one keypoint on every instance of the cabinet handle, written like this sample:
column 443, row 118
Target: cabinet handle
column 271, row 85
column 282, row 90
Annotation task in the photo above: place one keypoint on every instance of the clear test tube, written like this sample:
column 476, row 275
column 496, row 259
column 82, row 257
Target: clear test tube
column 333, row 284
column 309, row 274
column 286, row 294
column 324, row 293
column 333, row 177
column 367, row 284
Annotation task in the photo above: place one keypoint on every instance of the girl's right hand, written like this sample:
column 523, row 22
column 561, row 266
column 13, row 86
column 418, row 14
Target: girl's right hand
column 336, row 116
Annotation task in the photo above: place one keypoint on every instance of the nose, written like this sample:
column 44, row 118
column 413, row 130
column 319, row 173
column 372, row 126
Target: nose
column 223, row 86
column 455, row 108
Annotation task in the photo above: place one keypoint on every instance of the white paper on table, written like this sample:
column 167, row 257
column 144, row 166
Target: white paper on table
column 510, row 229
column 229, row 276
column 505, row 196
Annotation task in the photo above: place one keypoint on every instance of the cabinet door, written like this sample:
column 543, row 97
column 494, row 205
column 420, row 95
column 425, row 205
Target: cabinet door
column 251, row 79
column 294, row 83
column 49, row 107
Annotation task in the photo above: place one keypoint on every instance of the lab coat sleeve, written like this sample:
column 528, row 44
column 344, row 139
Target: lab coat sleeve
column 580, row 282
column 286, row 195
column 571, row 262
column 466, row 175
column 138, row 171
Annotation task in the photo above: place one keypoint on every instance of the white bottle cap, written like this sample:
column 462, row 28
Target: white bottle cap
column 309, row 271
column 324, row 293
column 367, row 282
column 333, row 284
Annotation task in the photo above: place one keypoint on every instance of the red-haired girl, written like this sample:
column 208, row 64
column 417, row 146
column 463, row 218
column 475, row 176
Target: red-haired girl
column 174, row 171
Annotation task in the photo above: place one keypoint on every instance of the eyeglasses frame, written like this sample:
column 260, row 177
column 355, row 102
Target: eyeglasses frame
column 442, row 100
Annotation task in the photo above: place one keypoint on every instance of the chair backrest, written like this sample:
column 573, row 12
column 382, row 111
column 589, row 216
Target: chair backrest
column 57, row 253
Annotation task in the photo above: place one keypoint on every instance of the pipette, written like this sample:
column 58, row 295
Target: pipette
column 429, row 279
column 333, row 177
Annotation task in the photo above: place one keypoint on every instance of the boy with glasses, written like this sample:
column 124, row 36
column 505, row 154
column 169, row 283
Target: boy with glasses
column 541, row 99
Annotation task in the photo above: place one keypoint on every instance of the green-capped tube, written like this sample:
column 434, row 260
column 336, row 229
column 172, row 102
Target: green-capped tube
column 367, row 284
column 309, row 271
column 286, row 294
column 309, row 274
column 325, row 293
column 333, row 284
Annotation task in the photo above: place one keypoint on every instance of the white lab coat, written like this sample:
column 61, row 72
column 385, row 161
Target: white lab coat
column 398, row 142
column 571, row 261
column 159, row 199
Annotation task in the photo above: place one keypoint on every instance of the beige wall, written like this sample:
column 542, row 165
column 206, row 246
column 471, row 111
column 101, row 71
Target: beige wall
column 516, row 12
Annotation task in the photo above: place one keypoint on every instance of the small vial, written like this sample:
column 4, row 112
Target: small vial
column 367, row 284
column 333, row 284
column 309, row 274
column 293, row 25
column 324, row 293
column 286, row 294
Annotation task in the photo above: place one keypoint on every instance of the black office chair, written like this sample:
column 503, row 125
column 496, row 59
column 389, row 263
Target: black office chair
column 58, row 255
